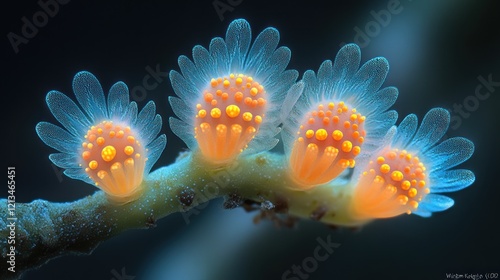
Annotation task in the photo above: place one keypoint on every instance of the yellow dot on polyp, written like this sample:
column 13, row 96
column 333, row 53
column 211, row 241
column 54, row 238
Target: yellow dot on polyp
column 111, row 153
column 310, row 133
column 232, row 111
column 129, row 150
column 93, row 164
column 215, row 113
column 385, row 168
column 247, row 116
column 346, row 146
column 108, row 153
column 237, row 106
column 100, row 141
column 337, row 135
column 397, row 175
column 327, row 143
column 321, row 134
column 397, row 169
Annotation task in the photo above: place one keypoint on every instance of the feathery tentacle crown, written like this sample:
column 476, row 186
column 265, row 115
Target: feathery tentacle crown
column 340, row 114
column 231, row 94
column 232, row 99
column 108, row 145
column 403, row 176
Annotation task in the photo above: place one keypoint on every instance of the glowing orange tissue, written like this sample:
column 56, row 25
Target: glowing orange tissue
column 114, row 159
column 228, row 116
column 393, row 184
column 327, row 142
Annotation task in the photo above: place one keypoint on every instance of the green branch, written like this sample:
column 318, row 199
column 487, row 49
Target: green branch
column 45, row 230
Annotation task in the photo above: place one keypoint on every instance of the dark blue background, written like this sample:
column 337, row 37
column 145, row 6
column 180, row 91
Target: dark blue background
column 436, row 49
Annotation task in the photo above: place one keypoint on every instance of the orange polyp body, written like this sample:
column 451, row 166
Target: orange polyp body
column 327, row 142
column 228, row 116
column 393, row 169
column 114, row 159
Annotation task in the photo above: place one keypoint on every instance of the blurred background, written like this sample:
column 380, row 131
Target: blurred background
column 439, row 52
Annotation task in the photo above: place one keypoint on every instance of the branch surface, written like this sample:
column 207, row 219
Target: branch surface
column 45, row 230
